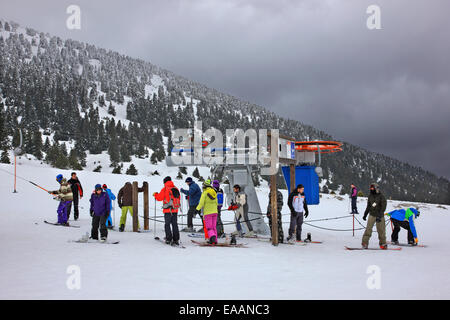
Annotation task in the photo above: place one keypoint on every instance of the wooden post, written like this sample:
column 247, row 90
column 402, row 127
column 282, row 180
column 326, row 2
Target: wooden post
column 274, row 208
column 135, row 206
column 146, row 221
column 15, row 173
column 292, row 177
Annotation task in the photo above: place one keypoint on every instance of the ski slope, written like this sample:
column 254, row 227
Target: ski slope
column 35, row 256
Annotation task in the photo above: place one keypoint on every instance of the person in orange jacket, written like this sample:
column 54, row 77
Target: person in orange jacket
column 170, row 196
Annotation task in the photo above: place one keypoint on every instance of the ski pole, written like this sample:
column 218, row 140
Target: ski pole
column 154, row 224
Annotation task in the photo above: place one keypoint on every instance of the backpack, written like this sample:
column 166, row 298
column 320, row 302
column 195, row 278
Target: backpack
column 175, row 199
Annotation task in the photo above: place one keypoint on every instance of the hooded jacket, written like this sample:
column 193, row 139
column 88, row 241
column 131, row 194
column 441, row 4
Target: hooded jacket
column 164, row 196
column 125, row 196
column 194, row 193
column 64, row 193
column 376, row 203
column 100, row 204
column 208, row 201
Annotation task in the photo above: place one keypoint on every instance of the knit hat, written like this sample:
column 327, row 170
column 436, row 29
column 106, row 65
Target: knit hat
column 216, row 184
column 167, row 179
column 98, row 186
column 105, row 186
column 207, row 183
column 188, row 180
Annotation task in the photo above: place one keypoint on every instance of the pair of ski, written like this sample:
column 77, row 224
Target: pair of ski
column 354, row 248
column 219, row 244
column 94, row 241
column 172, row 245
column 61, row 225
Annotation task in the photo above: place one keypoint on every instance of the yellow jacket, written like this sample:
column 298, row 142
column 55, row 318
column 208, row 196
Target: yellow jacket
column 208, row 201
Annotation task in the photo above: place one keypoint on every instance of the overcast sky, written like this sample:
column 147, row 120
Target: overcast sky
column 314, row 61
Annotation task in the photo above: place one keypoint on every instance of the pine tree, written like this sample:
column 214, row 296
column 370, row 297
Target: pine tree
column 37, row 145
column 5, row 156
column 117, row 170
column 196, row 173
column 98, row 169
column 132, row 170
column 111, row 109
column 73, row 160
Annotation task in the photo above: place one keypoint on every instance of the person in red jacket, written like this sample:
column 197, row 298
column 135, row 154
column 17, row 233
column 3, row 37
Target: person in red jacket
column 170, row 196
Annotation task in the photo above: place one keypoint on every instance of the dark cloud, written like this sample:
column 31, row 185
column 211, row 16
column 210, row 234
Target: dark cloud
column 315, row 61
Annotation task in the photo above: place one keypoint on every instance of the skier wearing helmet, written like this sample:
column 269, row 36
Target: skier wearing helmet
column 64, row 194
column 220, row 231
column 208, row 202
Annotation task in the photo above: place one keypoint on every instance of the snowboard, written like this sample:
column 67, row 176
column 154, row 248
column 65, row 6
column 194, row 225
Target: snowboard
column 94, row 241
column 350, row 248
column 61, row 225
column 219, row 244
column 140, row 231
column 174, row 246
column 408, row 245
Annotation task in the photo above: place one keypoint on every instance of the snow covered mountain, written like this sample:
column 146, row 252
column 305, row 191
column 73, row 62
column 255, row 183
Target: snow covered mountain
column 84, row 107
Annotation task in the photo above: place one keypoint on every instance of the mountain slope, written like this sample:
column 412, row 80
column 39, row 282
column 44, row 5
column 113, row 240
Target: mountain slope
column 97, row 100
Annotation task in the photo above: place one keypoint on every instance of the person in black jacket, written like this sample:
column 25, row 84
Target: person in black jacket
column 299, row 208
column 376, row 205
column 77, row 191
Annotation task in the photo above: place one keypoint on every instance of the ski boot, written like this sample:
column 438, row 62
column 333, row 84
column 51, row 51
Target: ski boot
column 213, row 240
column 168, row 241
column 308, row 238
column 383, row 246
column 103, row 239
column 233, row 240
column 175, row 243
column 365, row 246
column 395, row 243
column 412, row 243
column 250, row 234
column 122, row 227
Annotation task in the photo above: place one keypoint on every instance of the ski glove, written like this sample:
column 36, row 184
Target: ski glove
column 92, row 213
column 306, row 214
column 365, row 218
column 378, row 219
column 155, row 193
column 233, row 207
column 416, row 241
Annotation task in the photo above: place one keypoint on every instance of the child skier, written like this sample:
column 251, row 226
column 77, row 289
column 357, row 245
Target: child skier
column 109, row 223
column 64, row 194
column 208, row 202
column 219, row 191
column 354, row 199
column 170, row 196
column 404, row 219
column 100, row 208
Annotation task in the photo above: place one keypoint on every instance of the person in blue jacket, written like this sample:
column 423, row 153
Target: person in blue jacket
column 193, row 195
column 109, row 223
column 404, row 219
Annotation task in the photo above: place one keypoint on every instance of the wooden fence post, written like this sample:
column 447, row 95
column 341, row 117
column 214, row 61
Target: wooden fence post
column 274, row 208
column 146, row 221
column 135, row 206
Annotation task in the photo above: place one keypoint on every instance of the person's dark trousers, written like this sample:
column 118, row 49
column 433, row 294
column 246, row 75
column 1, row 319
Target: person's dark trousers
column 69, row 208
column 75, row 208
column 247, row 221
column 280, row 227
column 191, row 214
column 170, row 220
column 401, row 224
column 219, row 224
column 296, row 221
column 354, row 208
column 99, row 222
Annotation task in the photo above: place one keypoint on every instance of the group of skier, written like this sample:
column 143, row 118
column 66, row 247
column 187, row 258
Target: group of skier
column 208, row 202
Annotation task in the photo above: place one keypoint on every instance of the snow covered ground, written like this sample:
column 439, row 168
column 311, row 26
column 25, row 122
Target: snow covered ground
column 35, row 256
